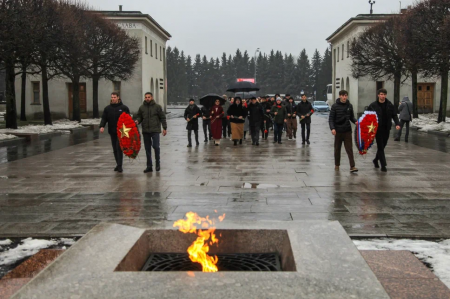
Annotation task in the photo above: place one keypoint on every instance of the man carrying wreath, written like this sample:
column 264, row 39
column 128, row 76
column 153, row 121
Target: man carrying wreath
column 341, row 115
column 151, row 116
column 111, row 116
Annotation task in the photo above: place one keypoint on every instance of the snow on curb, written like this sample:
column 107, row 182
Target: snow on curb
column 434, row 253
column 6, row 137
column 428, row 122
column 91, row 121
column 58, row 125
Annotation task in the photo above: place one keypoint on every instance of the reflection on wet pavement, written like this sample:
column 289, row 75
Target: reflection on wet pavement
column 67, row 192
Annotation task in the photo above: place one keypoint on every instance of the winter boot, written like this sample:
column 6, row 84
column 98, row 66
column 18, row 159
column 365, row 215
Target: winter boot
column 235, row 142
column 148, row 169
column 240, row 141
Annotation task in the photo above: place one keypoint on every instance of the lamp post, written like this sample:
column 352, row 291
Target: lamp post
column 371, row 4
column 257, row 50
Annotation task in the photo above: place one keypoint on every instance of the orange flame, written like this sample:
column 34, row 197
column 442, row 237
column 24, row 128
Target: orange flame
column 198, row 251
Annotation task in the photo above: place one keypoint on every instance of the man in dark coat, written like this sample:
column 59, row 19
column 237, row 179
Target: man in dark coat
column 206, row 116
column 405, row 109
column 386, row 113
column 279, row 118
column 256, row 119
column 341, row 115
column 111, row 116
column 291, row 123
column 191, row 115
column 151, row 116
column 304, row 112
column 265, row 127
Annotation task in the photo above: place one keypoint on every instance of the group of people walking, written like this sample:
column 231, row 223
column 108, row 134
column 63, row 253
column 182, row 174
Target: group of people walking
column 236, row 117
column 262, row 115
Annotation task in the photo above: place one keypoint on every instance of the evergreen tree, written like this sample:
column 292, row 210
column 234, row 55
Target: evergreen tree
column 316, row 64
column 326, row 74
column 190, row 78
column 303, row 74
column 289, row 84
column 197, row 75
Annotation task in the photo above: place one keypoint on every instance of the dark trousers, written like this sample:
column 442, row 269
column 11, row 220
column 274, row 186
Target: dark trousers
column 226, row 125
column 190, row 134
column 152, row 140
column 265, row 127
column 292, row 127
column 399, row 133
column 347, row 139
column 308, row 130
column 254, row 131
column 382, row 138
column 118, row 154
column 207, row 126
column 277, row 131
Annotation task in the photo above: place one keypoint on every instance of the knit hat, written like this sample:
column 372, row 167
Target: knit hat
column 279, row 99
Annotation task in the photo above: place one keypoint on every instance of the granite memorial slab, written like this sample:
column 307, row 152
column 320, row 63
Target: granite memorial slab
column 318, row 260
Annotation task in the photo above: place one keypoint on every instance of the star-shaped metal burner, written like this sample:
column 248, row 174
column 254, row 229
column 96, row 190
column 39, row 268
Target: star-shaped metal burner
column 124, row 131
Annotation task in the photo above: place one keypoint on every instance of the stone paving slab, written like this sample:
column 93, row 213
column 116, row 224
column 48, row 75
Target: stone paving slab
column 69, row 190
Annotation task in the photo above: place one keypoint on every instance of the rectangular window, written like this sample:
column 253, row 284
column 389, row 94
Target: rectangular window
column 348, row 49
column 338, row 54
column 160, row 53
column 342, row 51
column 36, row 92
column 151, row 48
column 146, row 52
column 116, row 86
column 156, row 50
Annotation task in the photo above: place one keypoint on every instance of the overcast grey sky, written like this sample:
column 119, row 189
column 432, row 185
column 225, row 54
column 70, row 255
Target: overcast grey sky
column 211, row 27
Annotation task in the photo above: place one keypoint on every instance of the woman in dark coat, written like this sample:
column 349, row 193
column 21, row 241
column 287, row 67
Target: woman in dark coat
column 237, row 114
column 191, row 115
column 216, row 122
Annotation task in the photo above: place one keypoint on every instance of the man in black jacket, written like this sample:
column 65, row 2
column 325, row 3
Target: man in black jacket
column 191, row 115
column 111, row 116
column 291, row 110
column 341, row 115
column 386, row 113
column 256, row 118
column 206, row 116
column 304, row 111
column 267, row 125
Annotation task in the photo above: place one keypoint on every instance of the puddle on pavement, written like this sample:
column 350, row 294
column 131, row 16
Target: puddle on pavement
column 260, row 186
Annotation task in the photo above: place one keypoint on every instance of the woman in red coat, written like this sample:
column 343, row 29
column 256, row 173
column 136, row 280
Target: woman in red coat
column 216, row 122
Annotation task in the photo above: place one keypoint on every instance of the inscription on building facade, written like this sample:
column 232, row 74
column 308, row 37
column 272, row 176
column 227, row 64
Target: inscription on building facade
column 127, row 25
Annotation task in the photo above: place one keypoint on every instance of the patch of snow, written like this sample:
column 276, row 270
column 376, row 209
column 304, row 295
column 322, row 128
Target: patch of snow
column 5, row 242
column 428, row 122
column 63, row 124
column 6, row 136
column 90, row 121
column 435, row 254
column 27, row 248
column 68, row 241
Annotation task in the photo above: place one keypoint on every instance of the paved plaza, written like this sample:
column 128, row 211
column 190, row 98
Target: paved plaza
column 66, row 192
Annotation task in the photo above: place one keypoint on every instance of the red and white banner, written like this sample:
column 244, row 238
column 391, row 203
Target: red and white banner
column 246, row 80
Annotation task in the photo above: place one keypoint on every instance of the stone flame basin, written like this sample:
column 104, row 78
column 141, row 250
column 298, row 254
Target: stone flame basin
column 318, row 260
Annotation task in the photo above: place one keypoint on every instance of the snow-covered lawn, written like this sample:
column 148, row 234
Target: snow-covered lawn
column 90, row 121
column 14, row 252
column 6, row 137
column 436, row 254
column 428, row 122
column 63, row 124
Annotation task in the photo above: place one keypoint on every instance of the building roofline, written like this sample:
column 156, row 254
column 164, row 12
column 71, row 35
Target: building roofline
column 122, row 14
column 360, row 17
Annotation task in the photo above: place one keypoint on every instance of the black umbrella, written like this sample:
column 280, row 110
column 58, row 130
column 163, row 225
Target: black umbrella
column 210, row 99
column 243, row 87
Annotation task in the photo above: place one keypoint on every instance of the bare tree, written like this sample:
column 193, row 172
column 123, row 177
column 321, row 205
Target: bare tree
column 434, row 34
column 112, row 54
column 376, row 53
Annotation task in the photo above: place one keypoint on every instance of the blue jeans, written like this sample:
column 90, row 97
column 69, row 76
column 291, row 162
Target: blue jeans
column 277, row 131
column 151, row 140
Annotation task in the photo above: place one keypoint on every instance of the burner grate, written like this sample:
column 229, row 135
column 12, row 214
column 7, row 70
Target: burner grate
column 251, row 262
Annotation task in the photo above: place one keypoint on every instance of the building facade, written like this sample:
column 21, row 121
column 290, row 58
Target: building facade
column 362, row 91
column 150, row 74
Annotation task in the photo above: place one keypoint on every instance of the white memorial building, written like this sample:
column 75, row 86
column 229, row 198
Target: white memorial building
column 150, row 74
column 362, row 91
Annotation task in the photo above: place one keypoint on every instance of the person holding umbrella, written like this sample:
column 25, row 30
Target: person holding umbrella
column 191, row 115
column 237, row 114
column 216, row 113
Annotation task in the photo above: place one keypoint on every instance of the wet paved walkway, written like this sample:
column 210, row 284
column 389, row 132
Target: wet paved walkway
column 65, row 192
